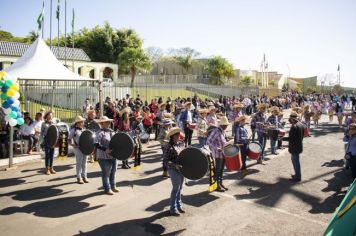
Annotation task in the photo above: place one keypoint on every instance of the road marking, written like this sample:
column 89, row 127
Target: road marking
column 272, row 208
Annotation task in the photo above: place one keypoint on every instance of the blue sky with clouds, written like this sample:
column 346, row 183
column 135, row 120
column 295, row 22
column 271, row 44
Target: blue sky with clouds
column 309, row 37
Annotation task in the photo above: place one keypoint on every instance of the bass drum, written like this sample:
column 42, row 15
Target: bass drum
column 122, row 146
column 194, row 162
column 86, row 142
column 52, row 136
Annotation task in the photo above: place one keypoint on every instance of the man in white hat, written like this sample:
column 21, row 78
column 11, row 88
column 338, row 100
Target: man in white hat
column 81, row 159
column 216, row 141
column 107, row 163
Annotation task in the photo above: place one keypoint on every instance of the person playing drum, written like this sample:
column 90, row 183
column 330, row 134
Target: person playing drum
column 241, row 139
column 90, row 124
column 170, row 156
column 49, row 151
column 162, row 138
column 259, row 121
column 81, row 159
column 124, row 125
column 107, row 163
column 273, row 120
column 202, row 127
column 236, row 112
column 216, row 141
column 280, row 141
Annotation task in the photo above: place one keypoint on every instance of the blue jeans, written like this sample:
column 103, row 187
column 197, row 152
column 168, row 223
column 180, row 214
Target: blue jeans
column 296, row 165
column 49, row 153
column 202, row 141
column 81, row 163
column 177, row 184
column 108, row 172
column 273, row 146
column 262, row 137
column 219, row 169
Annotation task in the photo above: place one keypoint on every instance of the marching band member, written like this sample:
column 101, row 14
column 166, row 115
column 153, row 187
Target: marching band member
column 107, row 163
column 202, row 127
column 259, row 120
column 280, row 141
column 212, row 118
column 158, row 119
column 124, row 125
column 216, row 142
column 170, row 156
column 241, row 139
column 273, row 120
column 88, row 124
column 187, row 118
column 81, row 159
column 162, row 138
column 49, row 151
column 350, row 155
column 236, row 112
column 339, row 111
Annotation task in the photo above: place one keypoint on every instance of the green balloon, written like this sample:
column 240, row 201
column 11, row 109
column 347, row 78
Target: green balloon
column 13, row 115
column 9, row 83
column 2, row 83
column 4, row 96
column 20, row 121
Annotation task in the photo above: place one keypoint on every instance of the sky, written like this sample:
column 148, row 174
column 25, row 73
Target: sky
column 299, row 38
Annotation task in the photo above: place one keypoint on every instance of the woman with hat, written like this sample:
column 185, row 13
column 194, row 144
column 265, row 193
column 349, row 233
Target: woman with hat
column 49, row 151
column 295, row 146
column 241, row 139
column 170, row 157
column 212, row 119
column 216, row 141
column 162, row 139
column 107, row 163
column 81, row 159
column 186, row 118
column 351, row 148
column 259, row 121
column 202, row 127
column 273, row 120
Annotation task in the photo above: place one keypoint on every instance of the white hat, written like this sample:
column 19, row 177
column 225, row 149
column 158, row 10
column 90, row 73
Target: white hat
column 173, row 131
column 223, row 121
column 78, row 119
column 104, row 119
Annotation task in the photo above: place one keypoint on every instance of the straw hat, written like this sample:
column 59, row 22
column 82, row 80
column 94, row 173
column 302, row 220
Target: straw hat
column 168, row 115
column 238, row 105
column 240, row 118
column 162, row 106
column 274, row 109
column 78, row 119
column 223, row 121
column 293, row 115
column 173, row 131
column 352, row 129
column 306, row 107
column 261, row 106
column 210, row 108
column 126, row 109
column 167, row 122
column 203, row 111
column 209, row 104
column 187, row 104
column 103, row 119
column 280, row 114
column 47, row 112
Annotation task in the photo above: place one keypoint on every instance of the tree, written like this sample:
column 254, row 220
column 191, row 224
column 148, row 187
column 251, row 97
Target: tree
column 338, row 89
column 185, row 57
column 219, row 69
column 246, row 81
column 272, row 83
column 133, row 60
column 32, row 36
column 5, row 36
column 154, row 53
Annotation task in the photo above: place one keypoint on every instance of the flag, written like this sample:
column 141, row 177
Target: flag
column 338, row 67
column 40, row 18
column 73, row 20
column 58, row 10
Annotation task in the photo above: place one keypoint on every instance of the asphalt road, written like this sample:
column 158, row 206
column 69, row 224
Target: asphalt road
column 263, row 203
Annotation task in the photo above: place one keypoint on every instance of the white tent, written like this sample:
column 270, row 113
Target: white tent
column 39, row 63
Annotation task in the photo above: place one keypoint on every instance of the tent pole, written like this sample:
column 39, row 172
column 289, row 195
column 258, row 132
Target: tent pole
column 53, row 95
column 11, row 148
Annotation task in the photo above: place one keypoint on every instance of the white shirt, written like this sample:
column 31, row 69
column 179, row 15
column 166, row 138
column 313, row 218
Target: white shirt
column 189, row 117
column 38, row 125
column 27, row 130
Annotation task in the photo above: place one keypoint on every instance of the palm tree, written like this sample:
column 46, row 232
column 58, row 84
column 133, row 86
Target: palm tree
column 133, row 60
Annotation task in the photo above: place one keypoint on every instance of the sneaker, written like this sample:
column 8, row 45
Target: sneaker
column 109, row 192
column 181, row 210
column 220, row 189
column 174, row 213
column 115, row 190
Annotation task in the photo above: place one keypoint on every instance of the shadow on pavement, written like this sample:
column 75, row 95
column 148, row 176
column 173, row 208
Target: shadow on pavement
column 334, row 163
column 55, row 208
column 59, row 168
column 14, row 181
column 196, row 200
column 142, row 182
column 143, row 226
column 325, row 130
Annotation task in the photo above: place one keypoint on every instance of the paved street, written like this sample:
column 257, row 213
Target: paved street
column 263, row 203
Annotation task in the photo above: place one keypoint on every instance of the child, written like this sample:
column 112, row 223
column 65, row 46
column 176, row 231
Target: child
column 241, row 139
column 162, row 138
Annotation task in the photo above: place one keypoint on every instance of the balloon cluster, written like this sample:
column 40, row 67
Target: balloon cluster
column 10, row 104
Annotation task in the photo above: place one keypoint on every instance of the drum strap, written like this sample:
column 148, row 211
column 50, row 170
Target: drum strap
column 213, row 185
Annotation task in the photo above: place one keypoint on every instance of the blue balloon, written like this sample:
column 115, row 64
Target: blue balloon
column 15, row 109
column 10, row 100
column 19, row 115
column 4, row 88
column 6, row 105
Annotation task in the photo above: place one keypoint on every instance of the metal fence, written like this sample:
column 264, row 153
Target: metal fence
column 159, row 79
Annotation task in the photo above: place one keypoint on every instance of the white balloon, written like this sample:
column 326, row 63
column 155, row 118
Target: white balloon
column 16, row 95
column 16, row 103
column 13, row 122
column 7, row 110
column 7, row 118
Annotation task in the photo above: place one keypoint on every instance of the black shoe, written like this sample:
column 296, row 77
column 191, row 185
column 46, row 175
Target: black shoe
column 174, row 213
column 219, row 189
column 181, row 210
column 224, row 187
column 275, row 153
column 125, row 167
column 294, row 178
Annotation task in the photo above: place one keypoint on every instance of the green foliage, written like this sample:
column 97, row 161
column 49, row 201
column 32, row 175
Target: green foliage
column 133, row 60
column 272, row 83
column 246, row 81
column 338, row 89
column 7, row 36
column 219, row 70
column 185, row 57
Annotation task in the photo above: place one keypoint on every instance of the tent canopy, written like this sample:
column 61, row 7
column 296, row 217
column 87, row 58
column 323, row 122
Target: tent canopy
column 39, row 63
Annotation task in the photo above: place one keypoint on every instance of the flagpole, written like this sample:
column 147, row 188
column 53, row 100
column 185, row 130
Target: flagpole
column 73, row 41
column 65, row 32
column 50, row 25
column 58, row 16
column 43, row 22
column 338, row 68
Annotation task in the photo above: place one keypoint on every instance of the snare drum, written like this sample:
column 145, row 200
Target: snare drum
column 281, row 133
column 192, row 126
column 254, row 150
column 232, row 157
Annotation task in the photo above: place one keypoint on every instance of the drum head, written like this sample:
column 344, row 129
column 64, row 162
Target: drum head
column 122, row 146
column 93, row 126
column 194, row 163
column 52, row 135
column 255, row 147
column 231, row 151
column 144, row 137
column 86, row 142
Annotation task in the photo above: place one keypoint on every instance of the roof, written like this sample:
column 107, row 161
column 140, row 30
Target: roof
column 16, row 49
